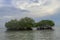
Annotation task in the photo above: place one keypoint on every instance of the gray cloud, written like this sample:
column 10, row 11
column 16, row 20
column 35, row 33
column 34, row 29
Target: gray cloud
column 38, row 8
column 11, row 12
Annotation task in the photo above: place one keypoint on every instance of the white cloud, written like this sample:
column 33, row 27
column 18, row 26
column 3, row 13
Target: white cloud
column 6, row 17
column 12, row 17
column 38, row 9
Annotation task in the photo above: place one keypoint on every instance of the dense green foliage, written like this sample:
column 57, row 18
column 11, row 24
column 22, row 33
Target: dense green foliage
column 24, row 23
column 46, row 23
column 28, row 23
column 13, row 24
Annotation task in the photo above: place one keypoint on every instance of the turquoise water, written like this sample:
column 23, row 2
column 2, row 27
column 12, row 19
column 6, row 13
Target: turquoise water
column 30, row 35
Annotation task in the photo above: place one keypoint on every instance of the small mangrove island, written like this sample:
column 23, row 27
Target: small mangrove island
column 29, row 23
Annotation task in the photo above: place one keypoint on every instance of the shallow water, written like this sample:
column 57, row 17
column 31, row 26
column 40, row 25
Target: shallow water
column 30, row 35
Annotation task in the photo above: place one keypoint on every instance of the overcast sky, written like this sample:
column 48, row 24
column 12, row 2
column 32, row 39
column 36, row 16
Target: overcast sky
column 37, row 9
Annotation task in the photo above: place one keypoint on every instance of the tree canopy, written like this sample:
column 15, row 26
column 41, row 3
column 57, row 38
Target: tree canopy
column 13, row 24
column 46, row 23
column 28, row 23
column 22, row 23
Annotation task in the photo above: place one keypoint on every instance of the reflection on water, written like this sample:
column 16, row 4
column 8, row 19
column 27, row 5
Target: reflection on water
column 20, row 35
column 43, row 35
column 28, row 35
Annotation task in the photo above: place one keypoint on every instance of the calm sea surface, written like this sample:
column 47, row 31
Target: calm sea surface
column 30, row 35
